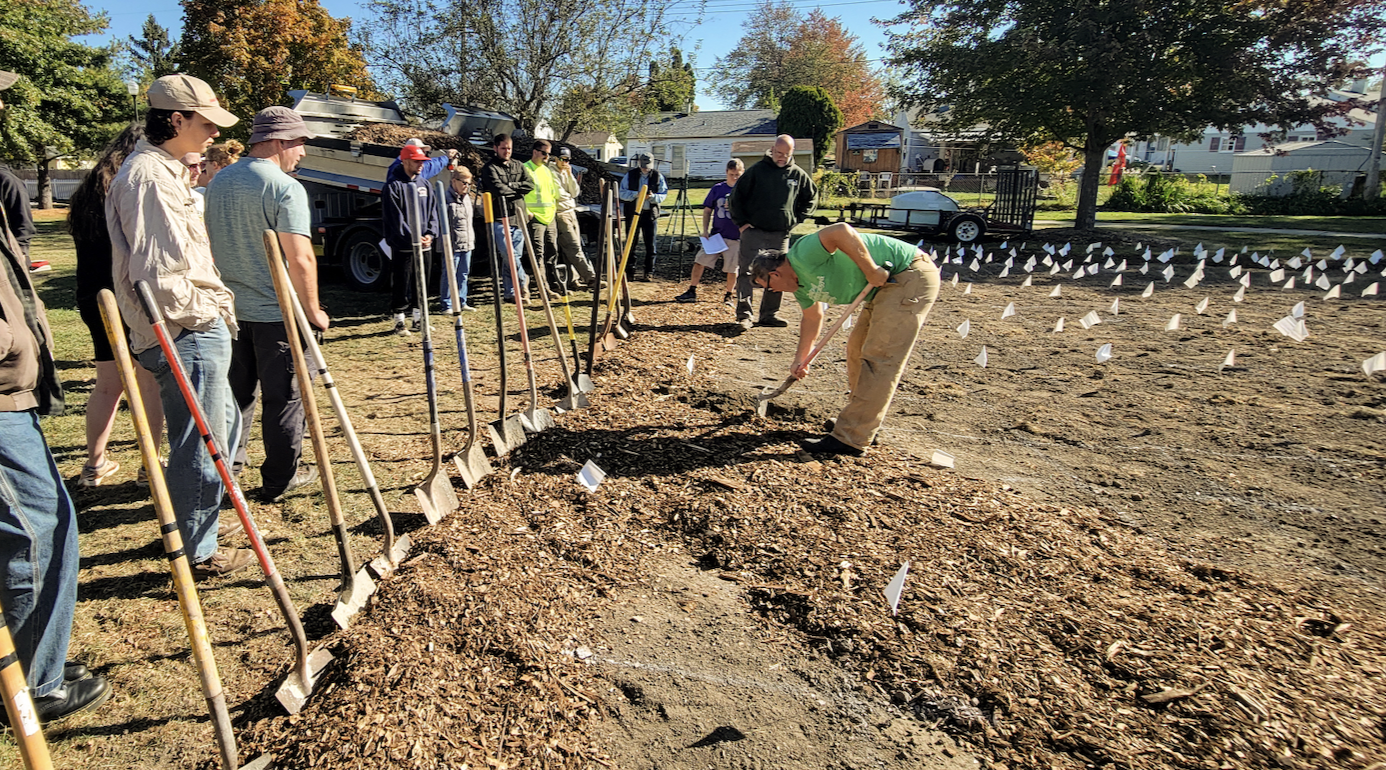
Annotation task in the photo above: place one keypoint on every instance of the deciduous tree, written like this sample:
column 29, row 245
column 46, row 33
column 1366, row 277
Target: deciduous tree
column 253, row 52
column 567, row 61
column 808, row 111
column 1091, row 73
column 784, row 49
column 69, row 101
column 672, row 84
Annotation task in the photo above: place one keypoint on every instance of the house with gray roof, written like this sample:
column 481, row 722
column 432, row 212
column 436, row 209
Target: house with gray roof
column 699, row 144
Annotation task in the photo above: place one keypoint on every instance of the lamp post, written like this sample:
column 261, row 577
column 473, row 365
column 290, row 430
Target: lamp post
column 133, row 88
column 1217, row 182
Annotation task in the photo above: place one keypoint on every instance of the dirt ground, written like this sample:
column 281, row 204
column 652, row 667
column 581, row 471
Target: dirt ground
column 1122, row 571
column 1275, row 464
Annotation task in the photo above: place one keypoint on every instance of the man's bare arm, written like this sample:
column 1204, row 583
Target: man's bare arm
column 303, row 273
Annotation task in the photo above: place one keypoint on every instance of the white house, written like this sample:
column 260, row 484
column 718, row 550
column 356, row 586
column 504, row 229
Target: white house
column 601, row 145
column 1267, row 171
column 1214, row 151
column 698, row 145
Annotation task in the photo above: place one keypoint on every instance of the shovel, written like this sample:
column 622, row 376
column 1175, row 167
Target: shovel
column 507, row 433
column 356, row 588
column 602, row 272
column 536, row 419
column 298, row 685
column 183, row 582
column 619, row 288
column 768, row 394
column 573, row 399
column 471, row 461
column 19, row 707
column 394, row 549
column 436, row 496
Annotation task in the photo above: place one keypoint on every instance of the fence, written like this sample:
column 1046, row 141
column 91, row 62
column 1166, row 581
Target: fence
column 64, row 181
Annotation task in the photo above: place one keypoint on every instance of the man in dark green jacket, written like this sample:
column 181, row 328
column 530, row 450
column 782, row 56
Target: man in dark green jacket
column 771, row 198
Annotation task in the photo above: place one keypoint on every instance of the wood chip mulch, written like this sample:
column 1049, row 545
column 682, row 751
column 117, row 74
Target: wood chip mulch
column 1043, row 636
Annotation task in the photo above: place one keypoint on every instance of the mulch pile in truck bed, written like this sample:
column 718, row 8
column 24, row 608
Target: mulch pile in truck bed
column 1043, row 636
column 473, row 157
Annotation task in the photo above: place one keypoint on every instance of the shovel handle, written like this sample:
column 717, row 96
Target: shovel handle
column 19, row 706
column 183, row 584
column 823, row 343
column 630, row 241
column 257, row 543
column 519, row 304
column 489, row 216
column 282, row 289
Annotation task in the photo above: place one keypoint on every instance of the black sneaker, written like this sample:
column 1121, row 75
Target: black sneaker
column 689, row 296
column 773, row 321
column 306, row 475
column 74, row 697
column 830, row 445
column 728, row 299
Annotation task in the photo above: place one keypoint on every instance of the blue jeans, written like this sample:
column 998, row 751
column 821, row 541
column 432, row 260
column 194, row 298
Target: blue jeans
column 462, row 266
column 517, row 242
column 38, row 548
column 193, row 482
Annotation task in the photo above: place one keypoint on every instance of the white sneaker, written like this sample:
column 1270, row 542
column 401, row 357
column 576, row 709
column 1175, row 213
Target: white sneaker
column 400, row 328
column 468, row 309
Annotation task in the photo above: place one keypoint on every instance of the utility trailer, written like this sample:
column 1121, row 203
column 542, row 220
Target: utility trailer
column 934, row 212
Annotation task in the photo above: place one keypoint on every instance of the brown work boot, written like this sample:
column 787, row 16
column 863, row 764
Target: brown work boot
column 223, row 562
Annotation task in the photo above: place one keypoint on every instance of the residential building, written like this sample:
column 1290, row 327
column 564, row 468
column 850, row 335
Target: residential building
column 699, row 144
column 601, row 145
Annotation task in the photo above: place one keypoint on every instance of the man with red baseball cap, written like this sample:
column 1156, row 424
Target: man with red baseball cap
column 158, row 237
column 404, row 186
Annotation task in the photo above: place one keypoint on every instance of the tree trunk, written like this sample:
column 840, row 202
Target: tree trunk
column 1094, row 157
column 45, row 185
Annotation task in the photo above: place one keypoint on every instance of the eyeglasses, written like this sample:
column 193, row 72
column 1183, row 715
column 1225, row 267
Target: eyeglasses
column 545, row 153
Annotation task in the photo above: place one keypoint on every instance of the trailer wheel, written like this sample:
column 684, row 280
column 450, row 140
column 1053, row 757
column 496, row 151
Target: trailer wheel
column 967, row 228
column 364, row 265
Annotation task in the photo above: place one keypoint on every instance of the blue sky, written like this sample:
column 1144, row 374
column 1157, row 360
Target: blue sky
column 721, row 29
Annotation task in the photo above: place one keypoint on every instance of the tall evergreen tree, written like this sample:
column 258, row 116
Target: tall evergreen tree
column 153, row 53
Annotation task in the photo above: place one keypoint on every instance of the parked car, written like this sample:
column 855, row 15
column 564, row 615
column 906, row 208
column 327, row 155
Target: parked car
column 620, row 160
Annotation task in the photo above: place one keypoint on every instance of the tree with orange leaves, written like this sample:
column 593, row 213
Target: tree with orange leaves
column 787, row 49
column 254, row 52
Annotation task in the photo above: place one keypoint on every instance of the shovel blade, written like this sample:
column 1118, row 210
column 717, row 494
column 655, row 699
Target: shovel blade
column 436, row 496
column 294, row 692
column 515, row 436
column 608, row 342
column 352, row 598
column 472, row 466
column 262, row 762
column 585, row 384
column 497, row 432
column 384, row 564
column 538, row 420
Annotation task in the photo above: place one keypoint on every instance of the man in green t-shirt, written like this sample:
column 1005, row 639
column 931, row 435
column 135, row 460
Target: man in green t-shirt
column 833, row 266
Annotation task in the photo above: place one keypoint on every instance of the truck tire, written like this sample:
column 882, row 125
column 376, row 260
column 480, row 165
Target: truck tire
column 363, row 263
column 967, row 228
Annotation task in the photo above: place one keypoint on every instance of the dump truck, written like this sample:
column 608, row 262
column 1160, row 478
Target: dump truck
column 344, row 176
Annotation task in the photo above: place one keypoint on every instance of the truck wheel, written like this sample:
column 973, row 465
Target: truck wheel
column 365, row 267
column 967, row 228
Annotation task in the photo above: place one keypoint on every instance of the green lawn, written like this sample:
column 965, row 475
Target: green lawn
column 1365, row 225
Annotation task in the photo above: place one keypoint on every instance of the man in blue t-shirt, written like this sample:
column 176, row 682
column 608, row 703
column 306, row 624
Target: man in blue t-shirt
column 832, row 267
column 717, row 219
column 250, row 196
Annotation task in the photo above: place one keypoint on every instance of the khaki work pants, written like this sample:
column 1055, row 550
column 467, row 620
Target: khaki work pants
column 880, row 347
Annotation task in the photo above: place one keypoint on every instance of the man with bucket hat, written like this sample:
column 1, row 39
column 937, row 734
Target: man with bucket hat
column 250, row 196
column 158, row 237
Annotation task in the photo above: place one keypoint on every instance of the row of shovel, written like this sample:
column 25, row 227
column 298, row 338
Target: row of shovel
column 436, row 495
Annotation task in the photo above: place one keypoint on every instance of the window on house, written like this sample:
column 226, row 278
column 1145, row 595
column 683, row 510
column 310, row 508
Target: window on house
column 1237, row 143
column 1215, row 144
column 869, row 156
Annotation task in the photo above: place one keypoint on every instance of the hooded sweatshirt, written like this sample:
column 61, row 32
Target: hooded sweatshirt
column 771, row 198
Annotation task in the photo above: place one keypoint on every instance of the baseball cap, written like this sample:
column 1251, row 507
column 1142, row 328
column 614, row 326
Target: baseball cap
column 564, row 152
column 278, row 123
column 644, row 160
column 7, row 79
column 185, row 92
column 412, row 152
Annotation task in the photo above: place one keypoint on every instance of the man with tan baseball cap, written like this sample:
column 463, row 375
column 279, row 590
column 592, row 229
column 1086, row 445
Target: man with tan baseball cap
column 186, row 93
column 157, row 236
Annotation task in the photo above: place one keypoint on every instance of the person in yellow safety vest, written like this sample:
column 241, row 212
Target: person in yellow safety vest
column 542, row 204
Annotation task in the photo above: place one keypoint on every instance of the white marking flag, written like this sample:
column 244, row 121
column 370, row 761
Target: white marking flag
column 964, row 328
column 1231, row 319
column 981, row 359
column 1231, row 360
column 1116, row 281
column 1372, row 290
column 1090, row 320
column 1376, row 363
column 1057, row 291
column 896, row 587
column 1058, row 327
column 1297, row 311
column 1172, row 325
column 1149, row 289
column 1293, row 328
column 1008, row 312
column 1202, row 306
column 591, row 476
column 1104, row 353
